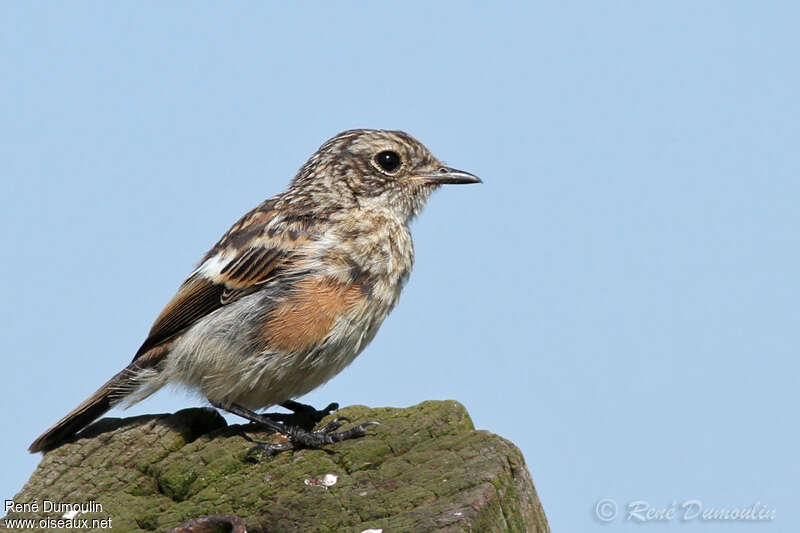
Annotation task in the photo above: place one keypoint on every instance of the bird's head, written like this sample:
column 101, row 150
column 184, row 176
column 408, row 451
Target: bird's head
column 373, row 168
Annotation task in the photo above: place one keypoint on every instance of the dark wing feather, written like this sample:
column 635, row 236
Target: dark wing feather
column 196, row 298
column 251, row 267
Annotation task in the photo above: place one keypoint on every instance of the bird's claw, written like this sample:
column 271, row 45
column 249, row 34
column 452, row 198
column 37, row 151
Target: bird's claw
column 300, row 438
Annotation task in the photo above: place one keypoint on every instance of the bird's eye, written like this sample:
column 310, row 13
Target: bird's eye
column 388, row 161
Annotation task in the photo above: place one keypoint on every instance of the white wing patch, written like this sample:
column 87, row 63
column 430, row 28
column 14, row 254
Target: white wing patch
column 212, row 267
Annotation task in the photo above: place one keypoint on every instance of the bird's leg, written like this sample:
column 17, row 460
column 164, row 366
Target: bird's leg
column 304, row 416
column 298, row 437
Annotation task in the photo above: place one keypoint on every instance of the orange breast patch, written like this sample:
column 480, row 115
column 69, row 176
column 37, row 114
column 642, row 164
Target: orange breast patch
column 308, row 315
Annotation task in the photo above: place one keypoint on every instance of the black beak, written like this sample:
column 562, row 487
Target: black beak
column 450, row 175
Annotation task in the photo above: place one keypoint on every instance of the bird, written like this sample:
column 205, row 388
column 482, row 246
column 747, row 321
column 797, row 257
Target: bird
column 291, row 294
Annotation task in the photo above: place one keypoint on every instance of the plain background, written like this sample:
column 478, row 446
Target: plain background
column 620, row 298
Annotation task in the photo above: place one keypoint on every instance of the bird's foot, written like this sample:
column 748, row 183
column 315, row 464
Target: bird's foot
column 298, row 437
column 303, row 411
column 302, row 415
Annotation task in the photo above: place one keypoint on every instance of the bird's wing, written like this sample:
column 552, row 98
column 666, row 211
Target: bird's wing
column 255, row 251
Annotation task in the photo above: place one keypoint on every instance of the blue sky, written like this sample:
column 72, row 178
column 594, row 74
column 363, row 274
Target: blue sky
column 619, row 298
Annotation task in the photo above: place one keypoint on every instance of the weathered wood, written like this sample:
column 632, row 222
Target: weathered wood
column 424, row 468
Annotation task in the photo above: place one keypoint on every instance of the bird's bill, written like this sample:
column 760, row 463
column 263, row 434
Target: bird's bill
column 450, row 175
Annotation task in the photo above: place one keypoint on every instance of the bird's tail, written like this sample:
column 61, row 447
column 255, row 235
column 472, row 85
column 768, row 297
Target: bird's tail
column 106, row 397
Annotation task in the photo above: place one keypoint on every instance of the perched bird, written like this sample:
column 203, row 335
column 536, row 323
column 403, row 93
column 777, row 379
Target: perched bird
column 292, row 293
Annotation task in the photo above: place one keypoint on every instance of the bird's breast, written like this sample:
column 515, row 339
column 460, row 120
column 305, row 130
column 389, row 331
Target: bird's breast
column 371, row 248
